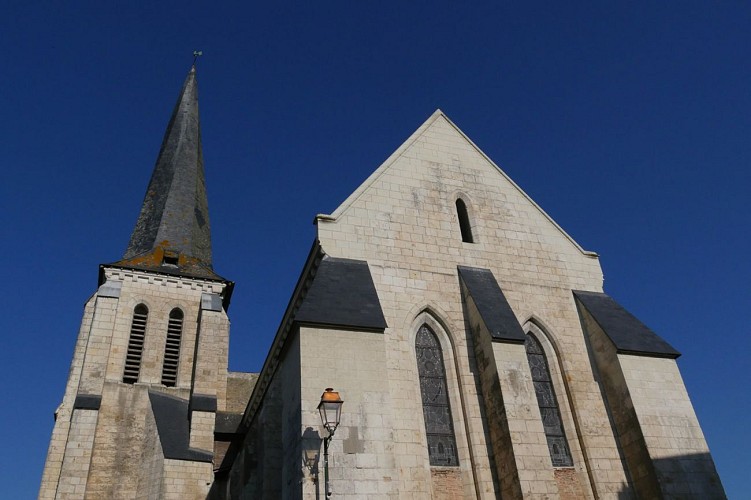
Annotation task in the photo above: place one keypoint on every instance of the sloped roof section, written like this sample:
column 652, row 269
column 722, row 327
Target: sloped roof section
column 342, row 294
column 625, row 331
column 172, row 233
column 401, row 150
column 492, row 305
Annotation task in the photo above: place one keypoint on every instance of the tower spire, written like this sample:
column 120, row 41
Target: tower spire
column 172, row 233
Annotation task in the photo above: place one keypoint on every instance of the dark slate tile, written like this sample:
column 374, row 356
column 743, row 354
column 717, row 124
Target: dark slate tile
column 342, row 294
column 87, row 402
column 203, row 402
column 628, row 334
column 492, row 305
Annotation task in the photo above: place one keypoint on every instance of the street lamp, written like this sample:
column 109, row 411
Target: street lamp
column 330, row 409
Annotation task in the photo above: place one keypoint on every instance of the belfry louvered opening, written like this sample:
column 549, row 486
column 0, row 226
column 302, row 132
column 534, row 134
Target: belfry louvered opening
column 135, row 344
column 172, row 348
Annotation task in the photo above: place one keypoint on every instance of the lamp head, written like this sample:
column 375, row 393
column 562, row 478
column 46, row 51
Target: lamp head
column 330, row 409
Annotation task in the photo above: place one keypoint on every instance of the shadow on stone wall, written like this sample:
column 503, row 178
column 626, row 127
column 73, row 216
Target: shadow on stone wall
column 311, row 452
column 475, row 370
column 672, row 472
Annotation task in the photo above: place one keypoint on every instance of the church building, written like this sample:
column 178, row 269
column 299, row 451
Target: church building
column 467, row 334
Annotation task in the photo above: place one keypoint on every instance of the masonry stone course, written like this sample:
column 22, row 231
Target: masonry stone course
column 390, row 259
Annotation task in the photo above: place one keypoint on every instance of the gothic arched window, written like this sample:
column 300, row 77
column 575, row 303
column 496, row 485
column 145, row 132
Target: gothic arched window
column 135, row 344
column 435, row 401
column 172, row 347
column 464, row 225
column 546, row 400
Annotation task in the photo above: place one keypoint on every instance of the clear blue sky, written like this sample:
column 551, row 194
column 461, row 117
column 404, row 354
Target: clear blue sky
column 629, row 124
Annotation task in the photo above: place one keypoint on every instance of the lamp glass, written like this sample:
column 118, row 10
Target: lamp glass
column 331, row 412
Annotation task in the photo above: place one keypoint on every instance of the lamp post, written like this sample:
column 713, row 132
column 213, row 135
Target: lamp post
column 330, row 409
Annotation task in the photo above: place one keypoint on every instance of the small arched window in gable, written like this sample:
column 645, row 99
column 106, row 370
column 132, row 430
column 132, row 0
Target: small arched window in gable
column 464, row 225
column 172, row 347
column 436, row 410
column 135, row 344
column 546, row 400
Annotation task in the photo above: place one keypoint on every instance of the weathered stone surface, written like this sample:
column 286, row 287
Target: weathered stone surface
column 627, row 419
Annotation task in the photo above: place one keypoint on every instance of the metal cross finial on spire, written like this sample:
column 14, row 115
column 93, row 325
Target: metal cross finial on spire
column 196, row 53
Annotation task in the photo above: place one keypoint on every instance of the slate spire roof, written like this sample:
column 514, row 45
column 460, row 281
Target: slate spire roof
column 172, row 233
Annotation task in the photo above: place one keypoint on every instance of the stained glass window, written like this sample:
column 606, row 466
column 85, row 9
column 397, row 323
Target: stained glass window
column 435, row 402
column 551, row 415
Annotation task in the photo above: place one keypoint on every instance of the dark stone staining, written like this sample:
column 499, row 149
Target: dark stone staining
column 353, row 444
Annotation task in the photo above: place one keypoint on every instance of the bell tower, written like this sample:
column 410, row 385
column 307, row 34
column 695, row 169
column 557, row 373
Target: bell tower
column 149, row 369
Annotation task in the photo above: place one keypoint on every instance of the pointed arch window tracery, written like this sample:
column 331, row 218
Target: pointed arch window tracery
column 436, row 408
column 560, row 454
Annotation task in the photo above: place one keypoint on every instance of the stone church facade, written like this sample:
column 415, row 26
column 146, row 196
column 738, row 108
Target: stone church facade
column 468, row 335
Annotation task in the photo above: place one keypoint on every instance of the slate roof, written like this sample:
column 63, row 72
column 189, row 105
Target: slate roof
column 342, row 294
column 492, row 305
column 628, row 334
column 172, row 234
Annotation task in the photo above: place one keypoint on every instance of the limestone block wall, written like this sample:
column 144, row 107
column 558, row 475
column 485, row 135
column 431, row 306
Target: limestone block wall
column 64, row 413
column 115, row 426
column 515, row 428
column 122, row 438
column 527, row 436
column 671, row 432
column 202, row 430
column 290, row 376
column 257, row 469
column 573, row 482
column 238, row 390
column 271, row 452
column 403, row 222
column 212, row 353
column 184, row 479
column 243, row 478
column 364, row 450
column 631, row 439
column 98, row 346
column 498, row 434
column 660, row 436
column 210, row 373
column 239, row 387
column 161, row 294
column 75, row 469
column 151, row 473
